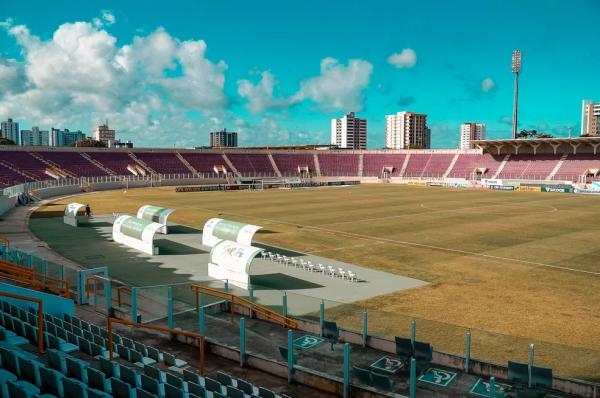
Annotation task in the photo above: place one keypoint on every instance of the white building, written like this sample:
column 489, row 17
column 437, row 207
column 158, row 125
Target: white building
column 590, row 118
column 10, row 130
column 407, row 130
column 349, row 132
column 104, row 134
column 35, row 136
column 471, row 131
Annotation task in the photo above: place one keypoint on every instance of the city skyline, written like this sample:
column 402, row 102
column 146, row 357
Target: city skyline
column 206, row 81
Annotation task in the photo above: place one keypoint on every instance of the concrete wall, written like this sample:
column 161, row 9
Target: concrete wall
column 54, row 305
column 7, row 203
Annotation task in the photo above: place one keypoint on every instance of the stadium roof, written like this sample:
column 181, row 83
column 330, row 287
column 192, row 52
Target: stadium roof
column 535, row 143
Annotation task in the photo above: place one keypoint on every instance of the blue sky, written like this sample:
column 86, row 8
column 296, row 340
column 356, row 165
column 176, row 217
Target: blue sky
column 165, row 74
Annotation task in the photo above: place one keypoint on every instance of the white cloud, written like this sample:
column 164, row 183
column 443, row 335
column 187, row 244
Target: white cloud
column 338, row 87
column 260, row 95
column 107, row 18
column 80, row 76
column 487, row 85
column 405, row 59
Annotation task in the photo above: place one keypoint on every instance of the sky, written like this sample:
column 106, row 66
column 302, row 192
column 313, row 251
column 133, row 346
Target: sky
column 167, row 73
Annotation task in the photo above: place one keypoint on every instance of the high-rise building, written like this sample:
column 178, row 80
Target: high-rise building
column 35, row 136
column 223, row 139
column 349, row 132
column 10, row 131
column 65, row 137
column 104, row 134
column 471, row 131
column 407, row 130
column 590, row 118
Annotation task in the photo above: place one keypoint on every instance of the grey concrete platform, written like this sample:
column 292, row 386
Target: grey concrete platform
column 183, row 254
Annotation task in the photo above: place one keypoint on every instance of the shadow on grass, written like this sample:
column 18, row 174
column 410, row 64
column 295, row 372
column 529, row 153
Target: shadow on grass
column 285, row 252
column 182, row 229
column 280, row 282
column 266, row 231
column 168, row 247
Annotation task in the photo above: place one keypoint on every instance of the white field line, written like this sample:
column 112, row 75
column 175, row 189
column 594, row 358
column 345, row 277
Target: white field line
column 414, row 244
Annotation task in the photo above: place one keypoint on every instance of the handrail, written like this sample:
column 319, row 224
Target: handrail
column 60, row 286
column 5, row 241
column 244, row 302
column 40, row 309
column 157, row 328
column 119, row 289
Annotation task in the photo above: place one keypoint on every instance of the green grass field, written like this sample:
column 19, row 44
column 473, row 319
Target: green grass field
column 514, row 267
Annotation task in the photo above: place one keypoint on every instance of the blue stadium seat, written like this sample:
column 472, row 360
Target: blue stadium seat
column 212, row 385
column 56, row 360
column 120, row 389
column 173, row 363
column 174, row 392
column 175, row 381
column 51, row 381
column 151, row 385
column 224, row 379
column 196, row 389
column 76, row 369
column 129, row 376
column 155, row 373
column 233, row 392
column 97, row 380
column 61, row 345
column 124, row 352
column 139, row 359
column 92, row 393
column 109, row 368
column 154, row 354
column 20, row 389
column 245, row 386
column 29, row 371
column 5, row 377
column 73, row 388
column 265, row 393
column 139, row 393
column 193, row 377
column 11, row 338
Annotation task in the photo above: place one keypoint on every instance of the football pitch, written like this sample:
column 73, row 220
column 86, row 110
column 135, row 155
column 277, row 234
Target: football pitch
column 514, row 268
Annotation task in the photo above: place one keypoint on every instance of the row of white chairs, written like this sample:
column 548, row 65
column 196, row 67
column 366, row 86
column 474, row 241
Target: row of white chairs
column 309, row 266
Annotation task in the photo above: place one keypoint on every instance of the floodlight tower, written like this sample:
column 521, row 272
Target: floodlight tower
column 516, row 69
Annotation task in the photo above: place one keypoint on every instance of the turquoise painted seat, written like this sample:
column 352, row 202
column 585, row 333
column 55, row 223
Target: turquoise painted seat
column 224, row 379
column 245, row 386
column 152, row 385
column 12, row 338
column 109, row 368
column 51, row 382
column 196, row 390
column 61, row 345
column 97, row 380
column 175, row 381
column 92, row 393
column 77, row 369
column 363, row 375
column 173, row 363
column 233, row 392
column 174, row 392
column 129, row 376
column 5, row 377
column 265, row 393
column 192, row 377
column 120, row 389
column 155, row 373
column 73, row 388
column 382, row 381
column 21, row 389
column 139, row 359
column 56, row 360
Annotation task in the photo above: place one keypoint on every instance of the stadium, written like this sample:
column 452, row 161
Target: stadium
column 302, row 272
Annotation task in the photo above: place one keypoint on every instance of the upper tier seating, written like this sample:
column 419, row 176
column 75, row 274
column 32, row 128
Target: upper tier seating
column 533, row 167
column 252, row 164
column 467, row 163
column 204, row 162
column 25, row 162
column 340, row 164
column 163, row 163
column 74, row 163
column 116, row 162
column 576, row 165
column 373, row 164
column 288, row 163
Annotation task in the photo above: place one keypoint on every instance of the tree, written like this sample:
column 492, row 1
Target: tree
column 89, row 143
column 6, row 141
column 532, row 134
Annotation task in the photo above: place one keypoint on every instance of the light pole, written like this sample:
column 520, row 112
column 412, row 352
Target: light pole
column 516, row 69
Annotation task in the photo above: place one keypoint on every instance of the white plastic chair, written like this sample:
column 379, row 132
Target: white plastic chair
column 331, row 271
column 322, row 268
column 311, row 266
column 342, row 273
column 352, row 276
